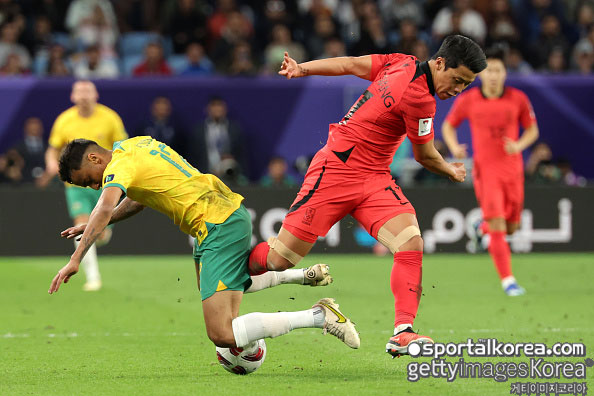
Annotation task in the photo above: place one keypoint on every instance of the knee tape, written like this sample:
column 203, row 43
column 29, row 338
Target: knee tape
column 284, row 251
column 394, row 242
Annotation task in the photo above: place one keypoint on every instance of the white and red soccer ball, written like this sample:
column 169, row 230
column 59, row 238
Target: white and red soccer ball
column 237, row 361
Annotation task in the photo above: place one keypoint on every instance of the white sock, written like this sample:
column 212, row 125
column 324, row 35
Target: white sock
column 90, row 264
column 257, row 325
column 274, row 278
column 508, row 280
column 401, row 327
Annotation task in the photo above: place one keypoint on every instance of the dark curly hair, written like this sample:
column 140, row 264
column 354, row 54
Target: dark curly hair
column 71, row 157
column 458, row 50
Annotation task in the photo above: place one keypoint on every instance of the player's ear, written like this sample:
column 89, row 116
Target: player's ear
column 93, row 158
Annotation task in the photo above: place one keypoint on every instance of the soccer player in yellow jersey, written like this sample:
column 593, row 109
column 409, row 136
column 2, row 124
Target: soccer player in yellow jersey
column 149, row 173
column 90, row 120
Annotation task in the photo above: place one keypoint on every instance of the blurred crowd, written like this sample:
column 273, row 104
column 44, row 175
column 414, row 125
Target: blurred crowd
column 108, row 39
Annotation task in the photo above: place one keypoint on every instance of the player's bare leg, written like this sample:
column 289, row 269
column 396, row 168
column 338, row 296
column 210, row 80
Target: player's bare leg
column 90, row 264
column 402, row 236
column 501, row 255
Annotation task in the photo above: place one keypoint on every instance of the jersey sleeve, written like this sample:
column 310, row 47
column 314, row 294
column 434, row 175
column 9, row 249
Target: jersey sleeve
column 120, row 171
column 527, row 116
column 56, row 138
column 458, row 111
column 418, row 119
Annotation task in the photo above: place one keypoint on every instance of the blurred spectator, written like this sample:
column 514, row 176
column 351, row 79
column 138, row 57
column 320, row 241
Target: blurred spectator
column 407, row 37
column 154, row 63
column 54, row 10
column 584, row 18
column 93, row 22
column 136, row 15
column 396, row 11
column 235, row 31
column 39, row 37
column 373, row 38
column 568, row 176
column 515, row 63
column 551, row 38
column 185, row 22
column 242, row 61
column 198, row 62
column 93, row 65
column 539, row 167
column 420, row 50
column 277, row 175
column 470, row 22
column 501, row 25
column 531, row 13
column 270, row 13
column 13, row 66
column 219, row 19
column 583, row 57
column 281, row 42
column 218, row 144
column 333, row 47
column 57, row 65
column 556, row 61
column 323, row 29
column 31, row 150
column 9, row 35
column 162, row 126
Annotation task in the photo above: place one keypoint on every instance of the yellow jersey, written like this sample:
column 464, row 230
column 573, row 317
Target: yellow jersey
column 153, row 174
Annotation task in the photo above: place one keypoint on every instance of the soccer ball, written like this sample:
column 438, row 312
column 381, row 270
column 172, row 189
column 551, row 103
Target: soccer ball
column 236, row 361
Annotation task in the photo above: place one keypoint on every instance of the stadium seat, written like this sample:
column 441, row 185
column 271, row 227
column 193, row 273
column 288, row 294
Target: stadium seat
column 133, row 43
column 129, row 62
column 178, row 63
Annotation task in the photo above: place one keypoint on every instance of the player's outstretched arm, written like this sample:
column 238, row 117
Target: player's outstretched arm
column 429, row 157
column 450, row 137
column 97, row 222
column 341, row 66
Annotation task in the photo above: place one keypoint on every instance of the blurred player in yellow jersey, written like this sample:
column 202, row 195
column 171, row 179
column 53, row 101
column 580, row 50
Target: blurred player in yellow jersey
column 150, row 173
column 89, row 120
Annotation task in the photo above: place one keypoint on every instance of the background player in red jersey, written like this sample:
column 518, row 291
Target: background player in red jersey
column 495, row 113
column 350, row 175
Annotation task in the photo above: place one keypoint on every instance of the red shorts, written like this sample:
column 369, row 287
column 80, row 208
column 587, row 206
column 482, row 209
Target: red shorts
column 331, row 190
column 499, row 196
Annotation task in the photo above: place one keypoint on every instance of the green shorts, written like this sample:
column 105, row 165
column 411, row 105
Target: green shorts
column 223, row 254
column 81, row 201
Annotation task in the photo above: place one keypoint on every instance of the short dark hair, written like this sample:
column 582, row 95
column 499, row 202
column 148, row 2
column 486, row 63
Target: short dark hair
column 458, row 50
column 71, row 157
column 496, row 52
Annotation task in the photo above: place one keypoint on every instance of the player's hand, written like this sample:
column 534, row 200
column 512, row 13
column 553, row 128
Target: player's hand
column 75, row 231
column 289, row 67
column 459, row 172
column 459, row 151
column 511, row 146
column 64, row 275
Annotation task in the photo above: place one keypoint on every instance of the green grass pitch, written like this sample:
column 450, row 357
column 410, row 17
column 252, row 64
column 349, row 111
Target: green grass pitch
column 143, row 333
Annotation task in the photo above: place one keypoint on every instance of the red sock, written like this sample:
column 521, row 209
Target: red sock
column 257, row 260
column 500, row 253
column 405, row 282
column 484, row 227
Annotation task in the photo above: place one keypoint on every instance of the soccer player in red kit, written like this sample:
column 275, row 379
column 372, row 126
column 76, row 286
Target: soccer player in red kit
column 351, row 175
column 495, row 113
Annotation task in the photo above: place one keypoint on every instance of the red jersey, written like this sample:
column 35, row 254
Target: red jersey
column 490, row 120
column 398, row 103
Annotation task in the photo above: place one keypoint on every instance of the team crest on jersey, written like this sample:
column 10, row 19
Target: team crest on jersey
column 309, row 215
column 108, row 178
column 425, row 126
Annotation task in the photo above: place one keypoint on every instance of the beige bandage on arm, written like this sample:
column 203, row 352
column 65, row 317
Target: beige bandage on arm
column 394, row 242
column 284, row 251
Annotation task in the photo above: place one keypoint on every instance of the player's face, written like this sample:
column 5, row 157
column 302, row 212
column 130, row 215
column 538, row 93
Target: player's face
column 90, row 174
column 84, row 94
column 451, row 81
column 493, row 77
